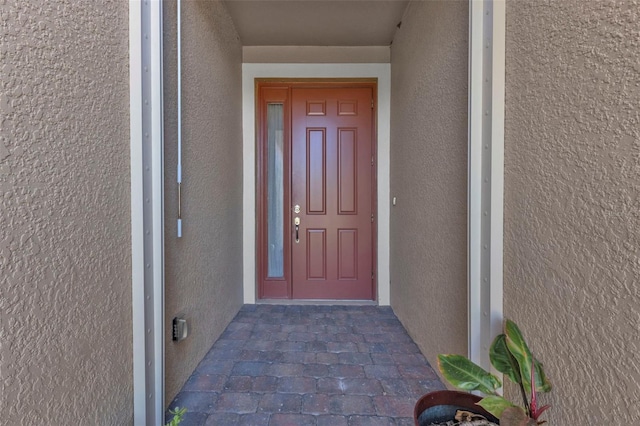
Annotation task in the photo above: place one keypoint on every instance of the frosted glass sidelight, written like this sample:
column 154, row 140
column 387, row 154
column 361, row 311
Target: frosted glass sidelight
column 275, row 194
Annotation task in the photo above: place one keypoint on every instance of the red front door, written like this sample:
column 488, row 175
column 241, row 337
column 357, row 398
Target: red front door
column 331, row 182
column 329, row 206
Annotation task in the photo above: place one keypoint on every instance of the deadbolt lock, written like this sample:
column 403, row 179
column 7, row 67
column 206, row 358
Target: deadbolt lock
column 296, row 209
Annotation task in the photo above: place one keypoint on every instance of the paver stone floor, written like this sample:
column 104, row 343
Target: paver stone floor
column 308, row 365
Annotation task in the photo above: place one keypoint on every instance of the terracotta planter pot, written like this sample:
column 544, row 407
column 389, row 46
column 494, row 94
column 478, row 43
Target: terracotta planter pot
column 441, row 406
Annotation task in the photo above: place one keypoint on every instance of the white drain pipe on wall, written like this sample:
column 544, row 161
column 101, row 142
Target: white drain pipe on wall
column 179, row 174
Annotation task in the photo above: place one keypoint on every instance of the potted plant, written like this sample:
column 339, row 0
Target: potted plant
column 510, row 355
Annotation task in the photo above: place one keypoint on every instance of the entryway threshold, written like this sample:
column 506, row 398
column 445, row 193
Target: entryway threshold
column 323, row 302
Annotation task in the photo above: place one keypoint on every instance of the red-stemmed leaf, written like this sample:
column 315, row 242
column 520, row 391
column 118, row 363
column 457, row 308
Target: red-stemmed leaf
column 542, row 410
column 535, row 411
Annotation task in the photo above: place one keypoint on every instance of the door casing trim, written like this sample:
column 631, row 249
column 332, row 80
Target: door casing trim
column 251, row 72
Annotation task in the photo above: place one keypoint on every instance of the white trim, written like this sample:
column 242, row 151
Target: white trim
column 486, row 174
column 498, row 75
column 157, row 199
column 252, row 71
column 316, row 54
column 147, row 230
column 137, row 216
column 475, row 178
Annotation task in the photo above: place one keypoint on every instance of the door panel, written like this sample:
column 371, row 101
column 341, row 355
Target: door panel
column 347, row 171
column 316, row 155
column 332, row 181
column 316, row 251
column 348, row 254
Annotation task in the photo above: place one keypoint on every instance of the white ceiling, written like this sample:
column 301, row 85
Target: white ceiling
column 316, row 22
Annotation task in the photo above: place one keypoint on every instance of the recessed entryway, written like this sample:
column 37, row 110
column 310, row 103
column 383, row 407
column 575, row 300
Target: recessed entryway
column 251, row 71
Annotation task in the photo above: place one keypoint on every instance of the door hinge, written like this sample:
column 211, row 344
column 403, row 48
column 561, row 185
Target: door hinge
column 372, row 160
column 371, row 217
column 371, row 103
column 372, row 274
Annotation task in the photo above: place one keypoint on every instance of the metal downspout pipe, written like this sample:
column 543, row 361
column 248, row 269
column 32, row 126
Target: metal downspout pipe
column 179, row 174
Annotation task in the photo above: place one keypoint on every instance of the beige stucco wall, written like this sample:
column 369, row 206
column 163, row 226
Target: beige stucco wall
column 65, row 234
column 429, row 175
column 572, row 209
column 204, row 267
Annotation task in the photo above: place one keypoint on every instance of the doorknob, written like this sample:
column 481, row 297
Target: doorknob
column 296, row 222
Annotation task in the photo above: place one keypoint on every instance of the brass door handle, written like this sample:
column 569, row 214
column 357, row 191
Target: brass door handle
column 296, row 222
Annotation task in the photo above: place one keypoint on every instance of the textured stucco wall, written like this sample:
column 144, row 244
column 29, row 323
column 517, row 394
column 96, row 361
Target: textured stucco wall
column 65, row 268
column 204, row 267
column 572, row 204
column 429, row 175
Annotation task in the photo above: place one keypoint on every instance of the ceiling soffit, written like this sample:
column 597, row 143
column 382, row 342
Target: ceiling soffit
column 316, row 22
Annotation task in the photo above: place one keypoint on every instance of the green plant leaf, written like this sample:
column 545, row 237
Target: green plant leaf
column 464, row 374
column 542, row 383
column 495, row 404
column 502, row 359
column 516, row 416
column 178, row 413
column 521, row 352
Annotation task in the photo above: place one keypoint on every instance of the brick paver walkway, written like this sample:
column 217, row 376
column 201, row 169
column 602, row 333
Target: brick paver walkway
column 309, row 365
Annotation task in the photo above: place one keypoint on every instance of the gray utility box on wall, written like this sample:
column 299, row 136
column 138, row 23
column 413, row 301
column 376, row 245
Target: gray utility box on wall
column 180, row 329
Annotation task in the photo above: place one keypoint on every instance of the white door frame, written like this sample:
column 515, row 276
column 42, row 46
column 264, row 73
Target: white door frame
column 485, row 189
column 382, row 72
